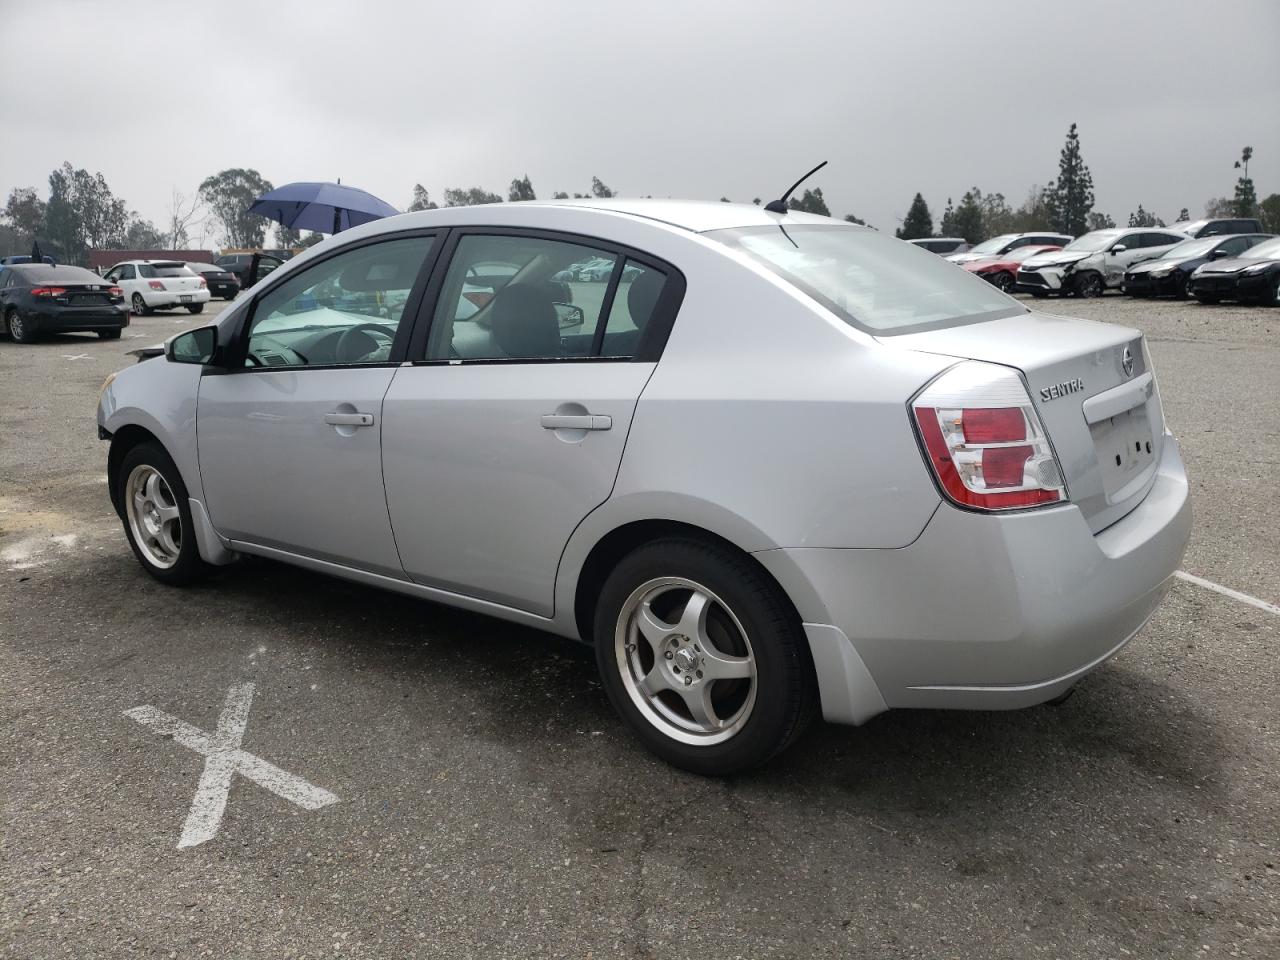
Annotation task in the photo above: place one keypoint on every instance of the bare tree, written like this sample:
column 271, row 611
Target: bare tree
column 184, row 211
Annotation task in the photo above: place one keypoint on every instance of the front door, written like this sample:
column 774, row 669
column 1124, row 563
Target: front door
column 512, row 429
column 289, row 441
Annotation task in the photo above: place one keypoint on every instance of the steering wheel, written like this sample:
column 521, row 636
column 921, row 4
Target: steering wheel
column 369, row 332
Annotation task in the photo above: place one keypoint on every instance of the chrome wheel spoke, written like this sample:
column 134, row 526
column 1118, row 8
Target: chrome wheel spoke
column 722, row 666
column 152, row 487
column 167, row 513
column 698, row 700
column 653, row 682
column 168, row 543
column 652, row 628
column 693, row 622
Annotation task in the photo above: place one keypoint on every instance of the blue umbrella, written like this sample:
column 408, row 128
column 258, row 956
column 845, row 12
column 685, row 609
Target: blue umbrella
column 322, row 207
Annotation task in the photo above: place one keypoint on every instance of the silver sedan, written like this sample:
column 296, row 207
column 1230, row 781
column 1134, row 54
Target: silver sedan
column 768, row 465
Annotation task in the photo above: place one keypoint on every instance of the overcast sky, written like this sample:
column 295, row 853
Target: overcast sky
column 685, row 99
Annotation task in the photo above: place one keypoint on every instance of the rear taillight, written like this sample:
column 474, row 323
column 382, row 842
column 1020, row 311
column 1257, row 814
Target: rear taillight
column 115, row 293
column 984, row 440
column 155, row 284
column 204, row 282
column 48, row 291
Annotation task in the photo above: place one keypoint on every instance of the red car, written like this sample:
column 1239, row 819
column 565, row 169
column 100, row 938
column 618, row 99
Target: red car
column 1000, row 270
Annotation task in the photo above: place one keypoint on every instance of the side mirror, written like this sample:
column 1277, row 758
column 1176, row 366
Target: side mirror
column 1119, row 248
column 194, row 346
column 1218, row 254
column 570, row 316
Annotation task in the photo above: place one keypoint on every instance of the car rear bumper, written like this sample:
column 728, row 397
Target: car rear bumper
column 223, row 288
column 989, row 612
column 78, row 319
column 159, row 299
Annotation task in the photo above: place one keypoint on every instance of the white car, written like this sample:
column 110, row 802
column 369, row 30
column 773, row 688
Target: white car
column 791, row 466
column 1007, row 242
column 1095, row 263
column 151, row 285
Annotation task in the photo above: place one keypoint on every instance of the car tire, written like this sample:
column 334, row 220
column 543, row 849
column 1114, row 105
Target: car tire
column 1088, row 285
column 139, row 306
column 157, row 515
column 20, row 331
column 1004, row 282
column 1207, row 299
column 1180, row 287
column 109, row 334
column 660, row 678
column 1040, row 294
column 195, row 308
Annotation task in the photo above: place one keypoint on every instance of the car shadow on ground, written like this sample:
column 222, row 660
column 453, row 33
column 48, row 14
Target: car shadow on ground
column 1119, row 716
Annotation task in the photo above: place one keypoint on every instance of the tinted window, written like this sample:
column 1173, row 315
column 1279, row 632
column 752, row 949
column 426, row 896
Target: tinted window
column 343, row 310
column 152, row 270
column 521, row 298
column 1236, row 245
column 4, row 276
column 871, row 281
column 45, row 273
column 127, row 272
column 1158, row 239
column 632, row 308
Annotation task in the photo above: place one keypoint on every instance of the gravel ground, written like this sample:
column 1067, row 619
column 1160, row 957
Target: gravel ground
column 490, row 805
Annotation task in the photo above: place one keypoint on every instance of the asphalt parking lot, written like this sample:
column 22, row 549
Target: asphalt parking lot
column 474, row 796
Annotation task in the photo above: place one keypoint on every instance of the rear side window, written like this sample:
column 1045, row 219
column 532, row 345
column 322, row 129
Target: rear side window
column 515, row 297
column 872, row 282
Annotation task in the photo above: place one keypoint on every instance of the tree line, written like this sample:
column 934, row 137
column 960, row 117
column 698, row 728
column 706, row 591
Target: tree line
column 1066, row 205
column 83, row 214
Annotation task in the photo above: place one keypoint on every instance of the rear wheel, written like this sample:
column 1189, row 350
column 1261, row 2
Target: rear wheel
column 157, row 515
column 703, row 657
column 1089, row 285
column 1207, row 298
column 109, row 334
column 140, row 306
column 20, row 331
column 195, row 308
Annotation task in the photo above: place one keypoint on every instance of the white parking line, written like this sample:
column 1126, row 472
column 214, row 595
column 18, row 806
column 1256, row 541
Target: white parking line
column 223, row 758
column 1228, row 592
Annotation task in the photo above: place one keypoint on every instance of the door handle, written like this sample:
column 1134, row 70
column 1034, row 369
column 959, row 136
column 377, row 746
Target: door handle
column 349, row 419
column 557, row 421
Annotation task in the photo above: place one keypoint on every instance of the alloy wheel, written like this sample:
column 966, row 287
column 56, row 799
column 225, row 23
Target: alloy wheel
column 685, row 661
column 139, row 305
column 153, row 515
column 1090, row 285
column 16, row 329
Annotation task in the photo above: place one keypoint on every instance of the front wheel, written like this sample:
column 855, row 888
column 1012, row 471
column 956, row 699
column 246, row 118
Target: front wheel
column 1004, row 280
column 1089, row 285
column 195, row 308
column 701, row 654
column 157, row 515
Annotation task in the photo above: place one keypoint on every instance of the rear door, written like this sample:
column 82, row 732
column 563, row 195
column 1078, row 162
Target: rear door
column 289, row 439
column 509, row 428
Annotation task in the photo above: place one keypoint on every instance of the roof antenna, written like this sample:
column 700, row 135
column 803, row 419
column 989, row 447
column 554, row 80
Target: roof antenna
column 780, row 206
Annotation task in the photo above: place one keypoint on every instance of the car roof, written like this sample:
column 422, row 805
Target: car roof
column 155, row 263
column 197, row 265
column 698, row 216
column 943, row 239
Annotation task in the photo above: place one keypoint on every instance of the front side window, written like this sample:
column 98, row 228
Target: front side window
column 1236, row 246
column 344, row 310
column 872, row 282
column 532, row 298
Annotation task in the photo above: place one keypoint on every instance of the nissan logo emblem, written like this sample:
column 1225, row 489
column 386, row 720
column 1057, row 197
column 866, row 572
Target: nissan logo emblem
column 1126, row 361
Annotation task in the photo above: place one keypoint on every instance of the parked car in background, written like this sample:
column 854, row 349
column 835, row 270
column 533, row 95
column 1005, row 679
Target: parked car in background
column 18, row 258
column 1214, row 227
column 942, row 245
column 151, row 285
column 999, row 246
column 40, row 298
column 1167, row 274
column 1094, row 263
column 243, row 266
column 221, row 281
column 601, row 472
column 1254, row 276
column 1002, row 270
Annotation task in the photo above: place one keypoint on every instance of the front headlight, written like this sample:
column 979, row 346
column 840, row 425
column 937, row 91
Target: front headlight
column 1163, row 271
column 1258, row 268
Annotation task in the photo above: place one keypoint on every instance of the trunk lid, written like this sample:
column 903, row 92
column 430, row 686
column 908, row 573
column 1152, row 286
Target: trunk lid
column 1099, row 404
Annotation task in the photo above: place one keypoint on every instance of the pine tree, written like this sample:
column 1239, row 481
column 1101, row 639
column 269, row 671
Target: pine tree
column 1071, row 195
column 1183, row 214
column 810, row 202
column 917, row 223
column 1142, row 218
column 967, row 218
column 521, row 189
column 949, row 220
column 1245, row 202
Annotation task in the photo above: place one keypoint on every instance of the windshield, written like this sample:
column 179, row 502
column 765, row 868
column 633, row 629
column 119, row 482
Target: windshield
column 1098, row 240
column 1190, row 248
column 1024, row 253
column 1267, row 250
column 1189, row 226
column 871, row 281
column 995, row 244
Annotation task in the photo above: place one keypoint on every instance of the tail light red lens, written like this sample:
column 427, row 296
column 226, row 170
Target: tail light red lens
column 48, row 291
column 203, row 282
column 155, row 284
column 115, row 292
column 984, row 440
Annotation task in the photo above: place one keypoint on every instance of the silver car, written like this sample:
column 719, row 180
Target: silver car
column 777, row 465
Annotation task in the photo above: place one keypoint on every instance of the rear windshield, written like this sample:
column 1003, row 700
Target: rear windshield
column 46, row 273
column 163, row 270
column 1190, row 248
column 873, row 282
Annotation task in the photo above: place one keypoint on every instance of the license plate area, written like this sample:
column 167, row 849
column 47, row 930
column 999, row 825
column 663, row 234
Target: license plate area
column 1125, row 446
column 185, row 298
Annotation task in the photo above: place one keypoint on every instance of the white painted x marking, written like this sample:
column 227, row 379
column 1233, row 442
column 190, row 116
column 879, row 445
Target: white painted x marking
column 78, row 356
column 223, row 758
